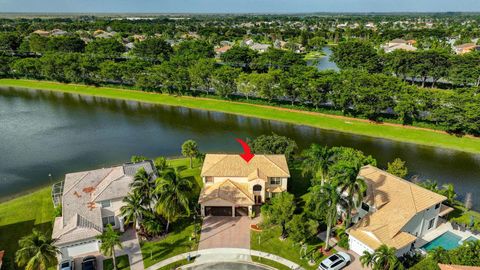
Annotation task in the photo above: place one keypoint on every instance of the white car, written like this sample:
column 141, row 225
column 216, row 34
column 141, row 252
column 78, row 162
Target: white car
column 66, row 265
column 335, row 262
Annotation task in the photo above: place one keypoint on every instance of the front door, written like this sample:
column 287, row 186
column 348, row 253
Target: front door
column 258, row 199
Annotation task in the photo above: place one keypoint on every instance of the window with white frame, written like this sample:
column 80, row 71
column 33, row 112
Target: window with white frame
column 275, row 180
column 106, row 203
column 108, row 220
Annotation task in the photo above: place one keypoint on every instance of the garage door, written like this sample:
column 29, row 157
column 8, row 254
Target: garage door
column 82, row 249
column 241, row 211
column 218, row 211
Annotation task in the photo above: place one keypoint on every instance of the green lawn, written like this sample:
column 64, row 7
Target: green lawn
column 177, row 241
column 20, row 215
column 270, row 263
column 461, row 215
column 269, row 241
column 398, row 133
column 122, row 263
column 175, row 265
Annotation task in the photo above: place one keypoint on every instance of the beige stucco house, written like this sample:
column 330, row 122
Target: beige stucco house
column 90, row 201
column 233, row 187
column 394, row 212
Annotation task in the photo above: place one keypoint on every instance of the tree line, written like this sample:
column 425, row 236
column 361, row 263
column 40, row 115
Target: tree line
column 279, row 77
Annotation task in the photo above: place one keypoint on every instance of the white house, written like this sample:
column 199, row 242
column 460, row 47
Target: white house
column 395, row 212
column 90, row 201
column 233, row 187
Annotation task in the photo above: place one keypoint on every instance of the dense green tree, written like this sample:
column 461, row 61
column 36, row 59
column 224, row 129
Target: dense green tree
column 108, row 47
column 9, row 42
column 193, row 50
column 279, row 211
column 153, row 49
column 69, row 43
column 273, row 144
column 239, row 56
column 356, row 54
column 397, row 167
column 278, row 59
column 224, row 80
column 201, row 73
column 300, row 228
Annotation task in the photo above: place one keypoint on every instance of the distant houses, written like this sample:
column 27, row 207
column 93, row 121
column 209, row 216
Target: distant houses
column 466, row 48
column 400, row 44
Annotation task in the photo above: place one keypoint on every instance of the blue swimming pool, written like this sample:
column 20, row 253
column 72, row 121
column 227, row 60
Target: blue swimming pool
column 471, row 238
column 447, row 240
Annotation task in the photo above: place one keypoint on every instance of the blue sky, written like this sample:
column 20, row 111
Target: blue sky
column 237, row 6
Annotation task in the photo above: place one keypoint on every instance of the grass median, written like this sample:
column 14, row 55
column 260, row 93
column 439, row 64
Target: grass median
column 330, row 122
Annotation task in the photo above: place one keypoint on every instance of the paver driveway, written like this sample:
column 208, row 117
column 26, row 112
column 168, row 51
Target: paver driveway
column 225, row 232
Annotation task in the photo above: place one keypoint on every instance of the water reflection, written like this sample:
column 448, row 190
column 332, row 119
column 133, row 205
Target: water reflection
column 44, row 132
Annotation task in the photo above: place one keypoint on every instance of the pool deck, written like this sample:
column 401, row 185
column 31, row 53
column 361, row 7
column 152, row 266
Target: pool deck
column 441, row 229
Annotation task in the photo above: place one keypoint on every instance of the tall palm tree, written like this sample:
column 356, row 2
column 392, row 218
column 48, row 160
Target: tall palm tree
column 324, row 199
column 383, row 258
column 172, row 191
column 448, row 190
column 133, row 209
column 110, row 239
column 36, row 252
column 143, row 185
column 351, row 186
column 317, row 161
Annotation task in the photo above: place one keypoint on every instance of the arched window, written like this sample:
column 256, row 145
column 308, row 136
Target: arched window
column 257, row 188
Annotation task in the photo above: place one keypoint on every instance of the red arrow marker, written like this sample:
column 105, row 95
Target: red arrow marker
column 247, row 155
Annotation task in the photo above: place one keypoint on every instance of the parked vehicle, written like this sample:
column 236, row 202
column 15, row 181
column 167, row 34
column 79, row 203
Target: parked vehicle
column 89, row 263
column 335, row 261
column 67, row 264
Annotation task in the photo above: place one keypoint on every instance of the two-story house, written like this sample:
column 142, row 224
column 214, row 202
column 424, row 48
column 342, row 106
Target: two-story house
column 233, row 187
column 90, row 201
column 394, row 212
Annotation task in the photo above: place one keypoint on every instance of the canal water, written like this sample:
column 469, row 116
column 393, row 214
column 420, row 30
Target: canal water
column 44, row 135
column 324, row 63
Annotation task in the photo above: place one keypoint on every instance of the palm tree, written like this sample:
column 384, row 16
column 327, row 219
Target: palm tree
column 110, row 239
column 36, row 252
column 324, row 199
column 449, row 192
column 316, row 162
column 133, row 209
column 144, row 186
column 151, row 225
column 346, row 177
column 190, row 150
column 383, row 258
column 172, row 191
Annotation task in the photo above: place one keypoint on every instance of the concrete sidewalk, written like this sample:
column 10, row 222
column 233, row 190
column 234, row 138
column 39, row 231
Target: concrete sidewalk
column 224, row 255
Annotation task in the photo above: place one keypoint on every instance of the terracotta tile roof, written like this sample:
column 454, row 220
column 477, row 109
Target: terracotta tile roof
column 275, row 189
column 396, row 202
column 232, row 165
column 457, row 267
column 236, row 193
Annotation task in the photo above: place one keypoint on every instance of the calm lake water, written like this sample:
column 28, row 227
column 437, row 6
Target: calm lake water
column 324, row 63
column 44, row 133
